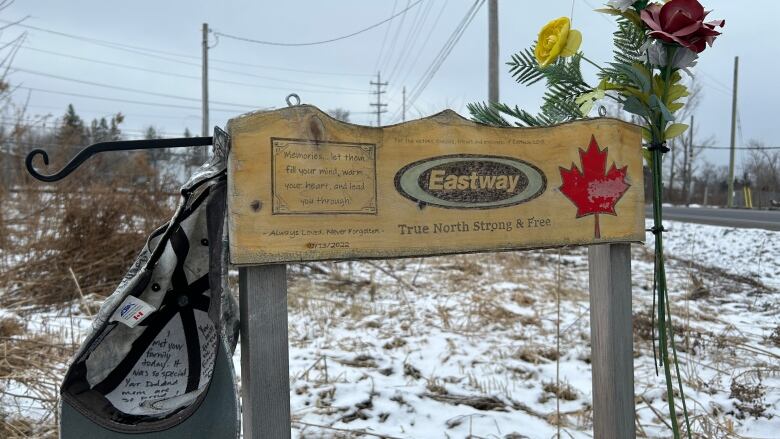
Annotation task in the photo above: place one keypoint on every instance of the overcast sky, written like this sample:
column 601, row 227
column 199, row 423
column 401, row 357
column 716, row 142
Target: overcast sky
column 337, row 74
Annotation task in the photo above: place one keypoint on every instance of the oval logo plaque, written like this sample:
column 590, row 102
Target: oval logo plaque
column 466, row 181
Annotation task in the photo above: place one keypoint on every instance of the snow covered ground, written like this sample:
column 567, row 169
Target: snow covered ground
column 468, row 346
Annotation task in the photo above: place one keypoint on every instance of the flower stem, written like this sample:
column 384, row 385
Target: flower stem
column 664, row 310
column 591, row 62
column 660, row 279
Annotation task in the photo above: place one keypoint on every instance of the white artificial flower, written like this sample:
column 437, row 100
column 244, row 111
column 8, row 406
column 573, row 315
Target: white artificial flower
column 656, row 53
column 684, row 58
column 623, row 5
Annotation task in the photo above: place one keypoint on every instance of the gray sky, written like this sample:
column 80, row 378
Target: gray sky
column 338, row 74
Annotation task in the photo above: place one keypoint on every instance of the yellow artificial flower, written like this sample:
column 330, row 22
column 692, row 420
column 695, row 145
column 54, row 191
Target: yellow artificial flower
column 557, row 39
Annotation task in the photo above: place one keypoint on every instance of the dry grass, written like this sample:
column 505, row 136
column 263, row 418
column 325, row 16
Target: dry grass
column 562, row 390
column 63, row 247
column 33, row 361
column 536, row 354
column 643, row 326
column 384, row 298
column 774, row 337
column 91, row 225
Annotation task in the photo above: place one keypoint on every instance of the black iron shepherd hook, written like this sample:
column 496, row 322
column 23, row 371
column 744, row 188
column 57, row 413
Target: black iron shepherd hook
column 125, row 145
column 122, row 145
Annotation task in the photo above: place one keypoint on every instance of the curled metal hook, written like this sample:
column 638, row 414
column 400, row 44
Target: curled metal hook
column 292, row 96
column 122, row 145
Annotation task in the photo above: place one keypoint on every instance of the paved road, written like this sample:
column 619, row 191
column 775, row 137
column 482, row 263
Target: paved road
column 742, row 218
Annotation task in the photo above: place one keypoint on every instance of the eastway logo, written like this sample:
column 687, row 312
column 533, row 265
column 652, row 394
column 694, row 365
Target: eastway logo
column 469, row 181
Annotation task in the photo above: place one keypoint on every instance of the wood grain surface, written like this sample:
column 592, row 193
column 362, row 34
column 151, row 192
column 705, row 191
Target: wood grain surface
column 304, row 186
column 265, row 364
column 612, row 353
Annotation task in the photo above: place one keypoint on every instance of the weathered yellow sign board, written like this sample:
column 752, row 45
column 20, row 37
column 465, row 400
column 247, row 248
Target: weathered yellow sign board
column 304, row 186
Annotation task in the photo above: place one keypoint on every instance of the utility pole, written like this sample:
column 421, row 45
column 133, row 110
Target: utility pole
column 205, row 88
column 403, row 105
column 379, row 105
column 492, row 51
column 689, row 166
column 733, row 132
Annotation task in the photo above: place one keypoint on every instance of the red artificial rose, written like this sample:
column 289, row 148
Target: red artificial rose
column 681, row 22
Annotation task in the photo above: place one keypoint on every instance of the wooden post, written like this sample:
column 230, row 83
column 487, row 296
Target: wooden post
column 265, row 376
column 611, row 341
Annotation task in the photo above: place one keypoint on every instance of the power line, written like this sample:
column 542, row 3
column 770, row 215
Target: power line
column 156, row 53
column 384, row 40
column 102, row 113
column 444, row 52
column 122, row 134
column 287, row 69
column 97, row 40
column 107, row 63
column 713, row 85
column 333, row 88
column 121, row 88
column 336, row 90
column 126, row 101
column 430, row 72
column 314, row 43
column 739, row 126
column 411, row 38
column 744, row 148
column 394, row 40
column 447, row 49
column 141, row 131
column 717, row 81
column 425, row 41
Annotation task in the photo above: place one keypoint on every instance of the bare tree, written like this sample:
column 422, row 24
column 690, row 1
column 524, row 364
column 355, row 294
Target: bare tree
column 762, row 167
column 340, row 114
column 683, row 150
column 9, row 114
column 710, row 184
column 684, row 145
column 694, row 146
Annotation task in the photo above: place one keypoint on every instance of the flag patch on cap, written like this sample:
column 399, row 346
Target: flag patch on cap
column 132, row 311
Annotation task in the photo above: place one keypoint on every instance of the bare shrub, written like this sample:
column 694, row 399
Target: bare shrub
column 31, row 367
column 93, row 224
column 749, row 392
column 774, row 338
column 643, row 325
column 563, row 391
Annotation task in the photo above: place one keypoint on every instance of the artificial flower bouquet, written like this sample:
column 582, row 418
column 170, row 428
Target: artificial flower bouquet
column 654, row 44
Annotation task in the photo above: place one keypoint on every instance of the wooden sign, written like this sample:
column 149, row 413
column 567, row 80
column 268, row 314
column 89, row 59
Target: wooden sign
column 304, row 186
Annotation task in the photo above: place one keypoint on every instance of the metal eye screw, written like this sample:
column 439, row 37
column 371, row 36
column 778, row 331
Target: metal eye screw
column 291, row 97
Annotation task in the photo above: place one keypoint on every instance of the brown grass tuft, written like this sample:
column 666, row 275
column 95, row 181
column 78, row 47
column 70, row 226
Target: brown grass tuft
column 563, row 391
column 94, row 225
column 10, row 326
column 536, row 354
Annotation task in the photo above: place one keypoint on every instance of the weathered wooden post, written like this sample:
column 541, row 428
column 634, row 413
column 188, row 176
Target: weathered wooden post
column 265, row 376
column 306, row 187
column 611, row 340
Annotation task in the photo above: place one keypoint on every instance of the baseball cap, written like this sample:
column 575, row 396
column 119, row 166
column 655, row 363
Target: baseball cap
column 158, row 361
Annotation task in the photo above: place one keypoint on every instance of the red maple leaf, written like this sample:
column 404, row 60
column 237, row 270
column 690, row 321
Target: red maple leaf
column 594, row 190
